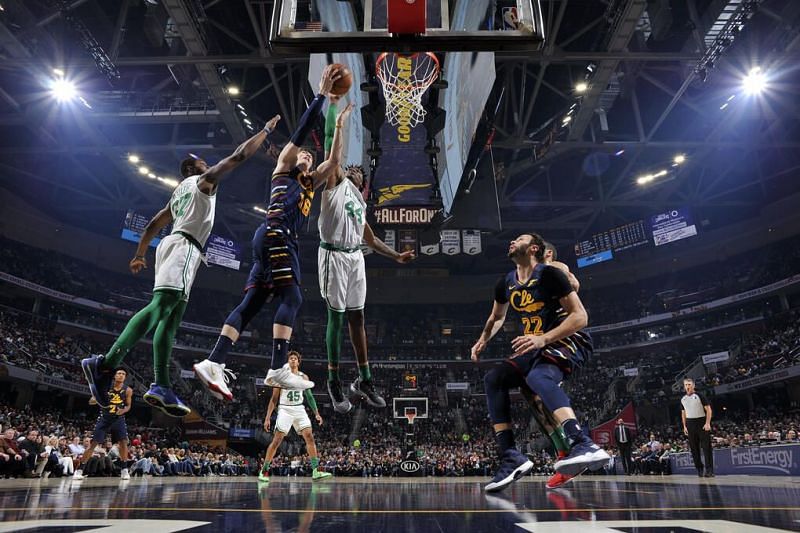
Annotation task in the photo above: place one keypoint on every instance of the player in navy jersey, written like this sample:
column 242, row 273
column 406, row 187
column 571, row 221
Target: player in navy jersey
column 276, row 264
column 551, row 346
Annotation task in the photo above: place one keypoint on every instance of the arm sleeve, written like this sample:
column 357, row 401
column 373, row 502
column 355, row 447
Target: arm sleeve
column 312, row 403
column 702, row 399
column 555, row 282
column 500, row 292
column 307, row 121
column 330, row 127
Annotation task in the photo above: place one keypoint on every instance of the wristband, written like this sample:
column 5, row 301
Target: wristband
column 267, row 129
column 139, row 257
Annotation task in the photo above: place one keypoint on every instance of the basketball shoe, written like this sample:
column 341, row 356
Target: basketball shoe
column 366, row 391
column 284, row 378
column 216, row 378
column 513, row 466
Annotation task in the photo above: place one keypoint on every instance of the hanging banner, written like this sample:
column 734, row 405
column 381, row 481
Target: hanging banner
column 603, row 434
column 404, row 216
column 471, row 239
column 451, row 241
column 134, row 225
column 716, row 357
column 630, row 372
column 390, row 239
column 429, row 249
column 407, row 240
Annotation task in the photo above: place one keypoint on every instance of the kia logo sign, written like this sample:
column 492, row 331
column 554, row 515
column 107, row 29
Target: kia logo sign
column 409, row 466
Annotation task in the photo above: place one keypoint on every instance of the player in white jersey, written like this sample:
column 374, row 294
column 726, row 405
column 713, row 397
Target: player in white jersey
column 292, row 414
column 342, row 280
column 190, row 210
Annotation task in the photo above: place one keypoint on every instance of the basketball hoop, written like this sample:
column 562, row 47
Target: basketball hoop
column 410, row 413
column 404, row 79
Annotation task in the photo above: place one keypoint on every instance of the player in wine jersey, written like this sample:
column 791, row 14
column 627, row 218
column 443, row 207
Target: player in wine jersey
column 340, row 263
column 292, row 414
column 276, row 263
column 552, row 345
column 111, row 421
column 190, row 210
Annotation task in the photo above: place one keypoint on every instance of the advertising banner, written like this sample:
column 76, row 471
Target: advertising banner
column 603, row 434
column 777, row 460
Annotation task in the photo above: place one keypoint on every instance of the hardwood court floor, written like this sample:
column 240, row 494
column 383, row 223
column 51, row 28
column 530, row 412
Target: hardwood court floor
column 679, row 504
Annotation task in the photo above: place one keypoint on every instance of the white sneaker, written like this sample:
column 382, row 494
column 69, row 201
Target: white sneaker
column 216, row 378
column 285, row 379
column 78, row 476
column 125, row 475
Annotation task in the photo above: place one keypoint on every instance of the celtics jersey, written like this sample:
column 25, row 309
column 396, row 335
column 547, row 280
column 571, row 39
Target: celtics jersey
column 343, row 215
column 116, row 401
column 291, row 397
column 192, row 210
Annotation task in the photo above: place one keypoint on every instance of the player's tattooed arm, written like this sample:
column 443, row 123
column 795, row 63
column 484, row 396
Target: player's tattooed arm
column 242, row 153
column 380, row 247
column 161, row 220
column 493, row 325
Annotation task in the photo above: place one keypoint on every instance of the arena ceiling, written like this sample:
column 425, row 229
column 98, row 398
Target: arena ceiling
column 662, row 78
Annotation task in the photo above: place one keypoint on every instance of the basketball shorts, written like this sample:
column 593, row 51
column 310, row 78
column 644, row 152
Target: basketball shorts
column 342, row 279
column 114, row 426
column 276, row 261
column 567, row 354
column 177, row 262
column 292, row 416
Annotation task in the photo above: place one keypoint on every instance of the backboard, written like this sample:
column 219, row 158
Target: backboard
column 331, row 26
column 401, row 404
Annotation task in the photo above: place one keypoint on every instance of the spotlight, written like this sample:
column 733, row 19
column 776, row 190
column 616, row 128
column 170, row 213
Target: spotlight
column 62, row 90
column 171, row 182
column 641, row 180
column 259, row 209
column 133, row 158
column 144, row 171
column 620, row 152
column 581, row 87
column 151, row 176
column 58, row 72
column 755, row 81
column 566, row 120
column 247, row 121
column 678, row 159
column 233, row 90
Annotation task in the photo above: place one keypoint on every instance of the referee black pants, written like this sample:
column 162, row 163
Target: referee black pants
column 700, row 438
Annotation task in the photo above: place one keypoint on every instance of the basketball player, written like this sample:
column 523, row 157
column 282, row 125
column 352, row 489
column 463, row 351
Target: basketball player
column 276, row 265
column 551, row 346
column 191, row 211
column 292, row 414
column 111, row 421
column 342, row 279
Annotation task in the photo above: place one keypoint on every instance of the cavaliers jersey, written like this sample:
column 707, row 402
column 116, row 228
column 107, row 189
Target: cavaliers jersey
column 342, row 215
column 289, row 200
column 537, row 302
column 192, row 210
column 116, row 401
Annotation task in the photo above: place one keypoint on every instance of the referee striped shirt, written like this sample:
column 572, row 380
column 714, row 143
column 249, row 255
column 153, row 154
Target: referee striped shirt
column 694, row 405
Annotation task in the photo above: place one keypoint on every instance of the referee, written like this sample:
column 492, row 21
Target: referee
column 696, row 417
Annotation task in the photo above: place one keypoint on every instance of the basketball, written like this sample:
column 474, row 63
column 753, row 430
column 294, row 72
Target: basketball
column 343, row 84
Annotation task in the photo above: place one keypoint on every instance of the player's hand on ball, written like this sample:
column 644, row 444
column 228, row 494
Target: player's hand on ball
column 477, row 348
column 405, row 257
column 526, row 343
column 319, row 418
column 266, row 424
column 273, row 122
column 329, row 76
column 137, row 264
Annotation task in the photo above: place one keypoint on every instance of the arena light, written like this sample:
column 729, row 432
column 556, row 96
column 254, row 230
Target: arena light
column 581, row 87
column 58, row 72
column 151, row 175
column 259, row 209
column 247, row 121
column 566, row 120
column 144, row 170
column 233, row 90
column 133, row 158
column 679, row 159
column 755, row 81
column 63, row 90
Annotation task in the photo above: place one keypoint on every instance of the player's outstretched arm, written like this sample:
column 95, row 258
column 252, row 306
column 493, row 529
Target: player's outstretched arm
column 288, row 157
column 273, row 401
column 243, row 152
column 380, row 247
column 493, row 324
column 329, row 170
column 161, row 220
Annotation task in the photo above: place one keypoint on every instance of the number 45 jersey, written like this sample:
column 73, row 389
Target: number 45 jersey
column 537, row 303
column 342, row 216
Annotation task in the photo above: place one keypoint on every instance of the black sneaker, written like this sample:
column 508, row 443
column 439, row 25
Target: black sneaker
column 700, row 473
column 340, row 403
column 709, row 473
column 365, row 391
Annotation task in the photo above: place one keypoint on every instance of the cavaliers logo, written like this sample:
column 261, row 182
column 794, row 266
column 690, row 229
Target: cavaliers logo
column 523, row 302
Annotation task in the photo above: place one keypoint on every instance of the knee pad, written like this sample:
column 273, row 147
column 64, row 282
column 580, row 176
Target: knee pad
column 544, row 380
column 290, row 301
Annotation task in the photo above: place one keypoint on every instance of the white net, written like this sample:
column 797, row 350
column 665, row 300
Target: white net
column 404, row 79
